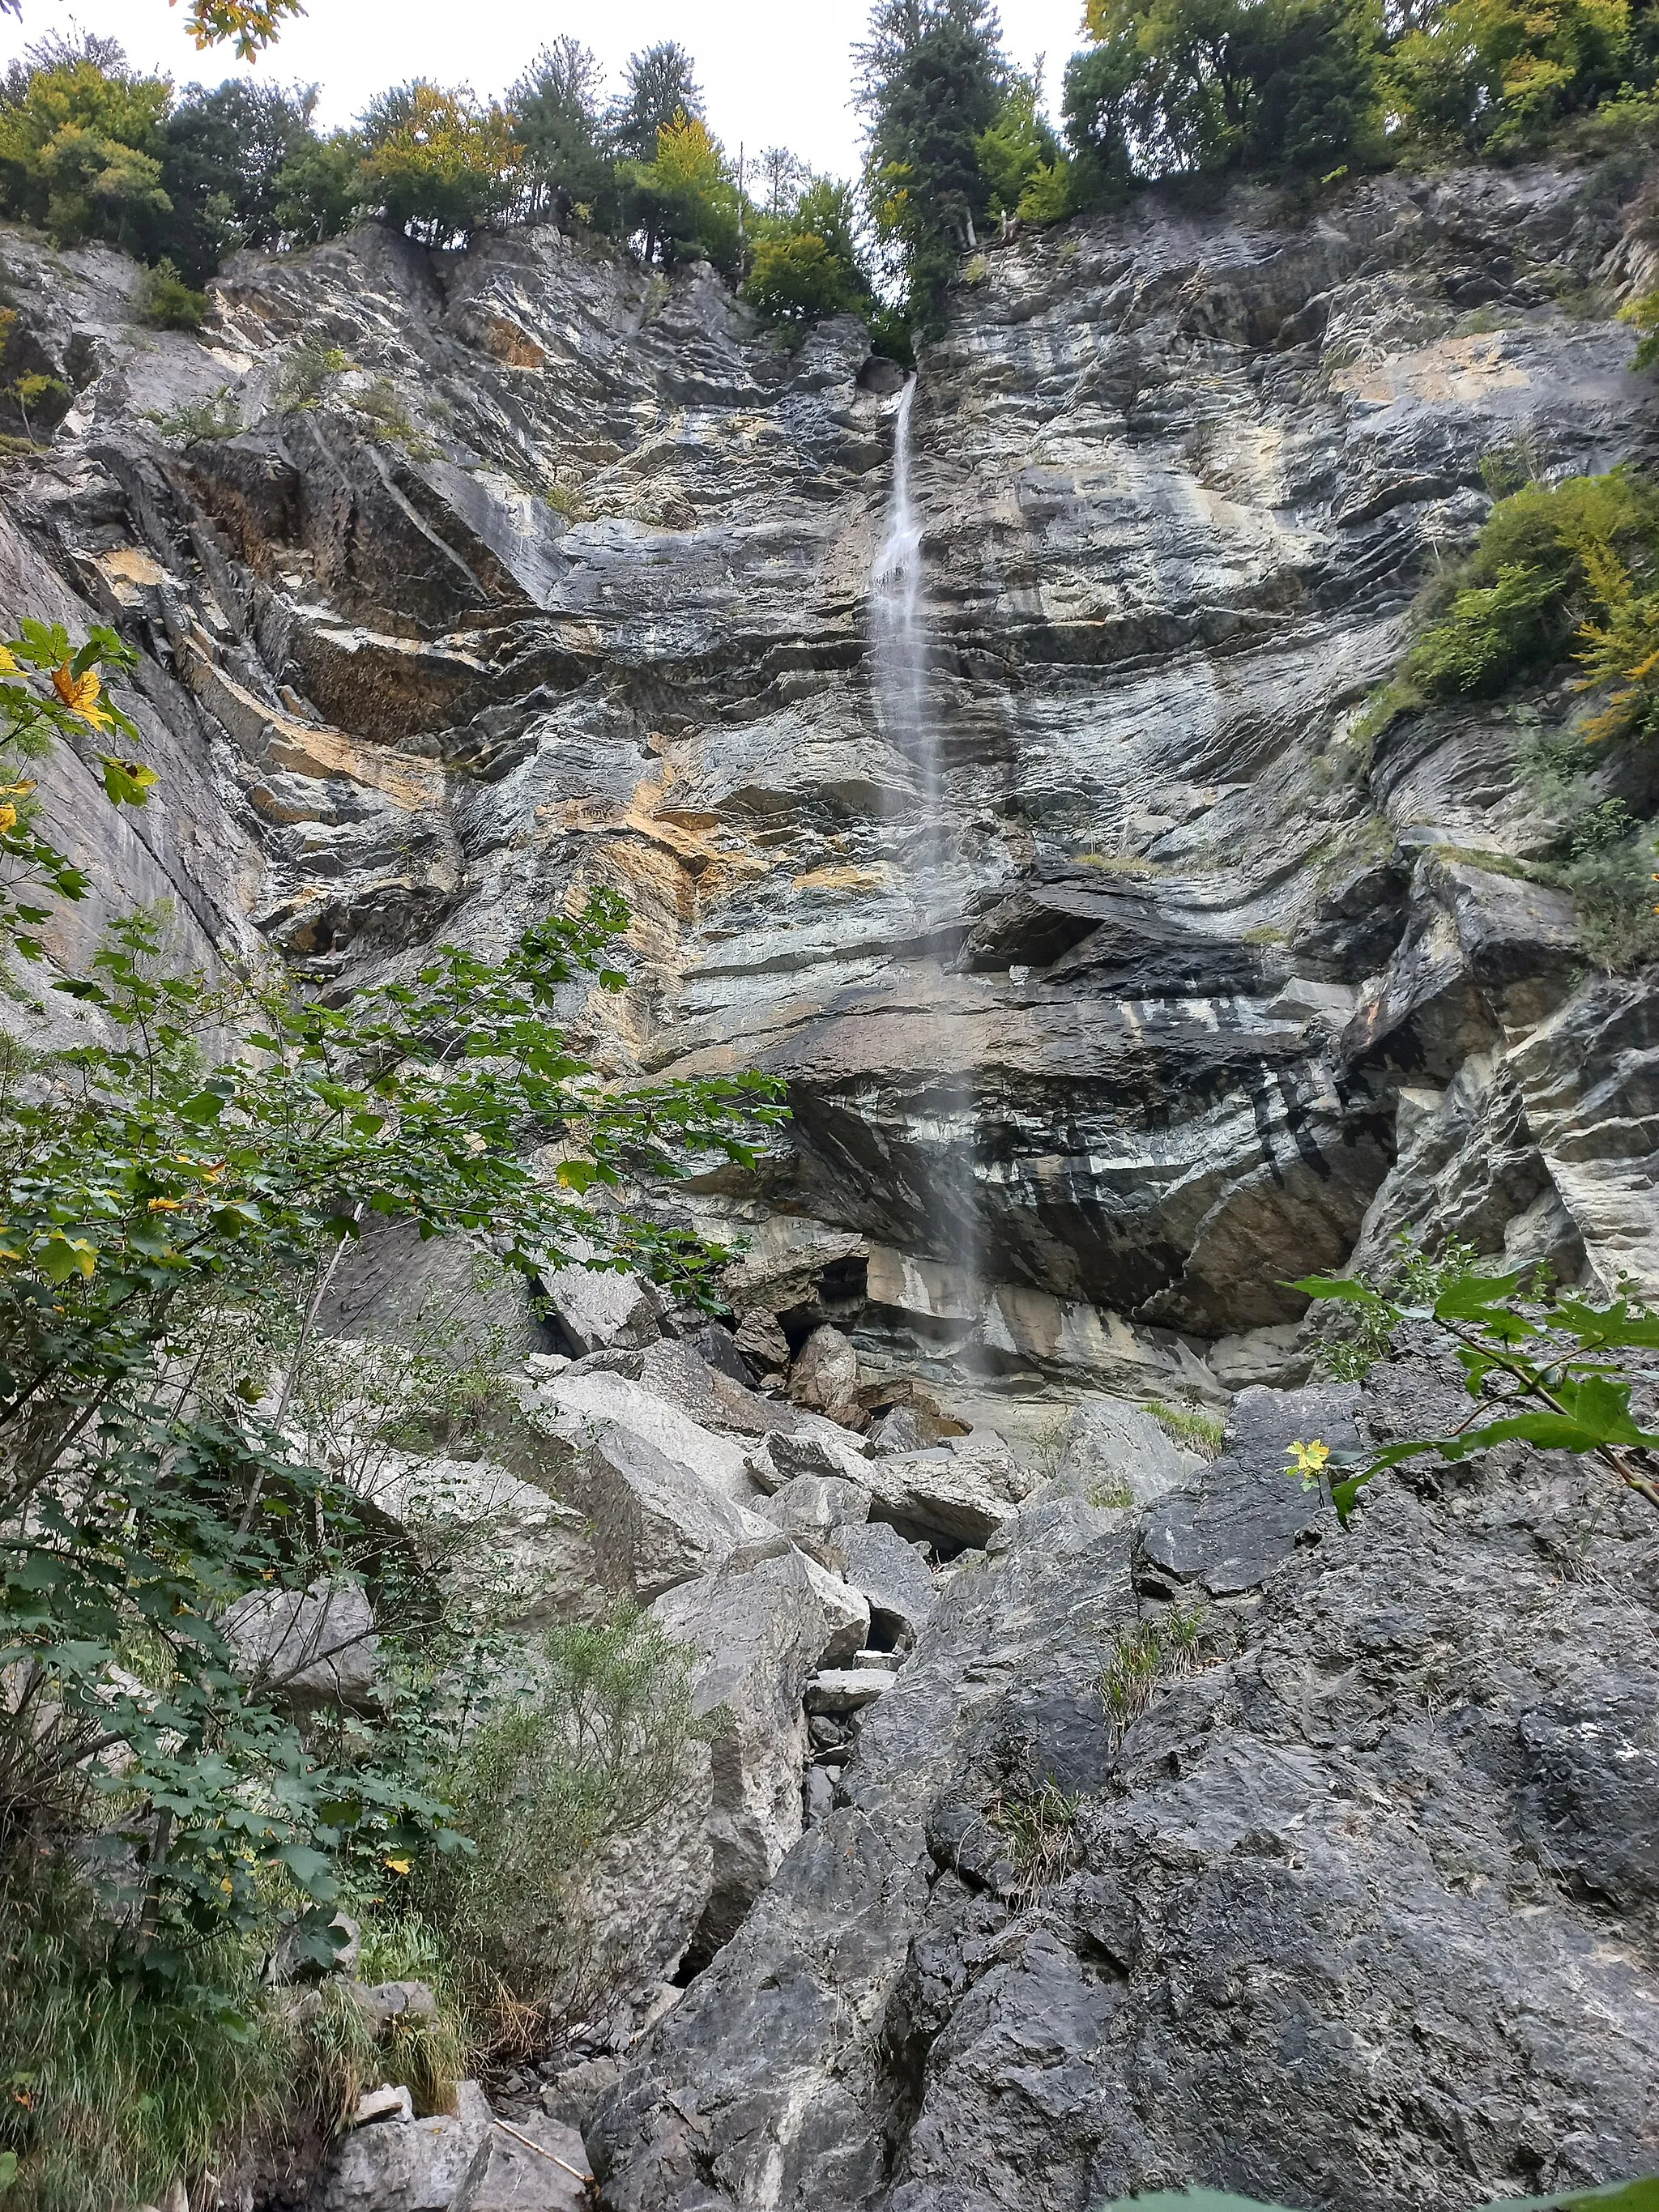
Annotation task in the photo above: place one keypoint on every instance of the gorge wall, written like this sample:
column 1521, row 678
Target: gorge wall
column 566, row 580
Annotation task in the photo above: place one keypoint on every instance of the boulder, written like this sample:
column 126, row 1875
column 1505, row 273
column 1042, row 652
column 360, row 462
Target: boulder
column 761, row 1341
column 825, row 1376
column 535, row 2163
column 315, row 1646
column 847, row 1689
column 810, row 1505
column 946, row 1497
column 652, row 1523
column 846, row 1612
column 575, row 1400
column 1112, row 1445
column 401, row 2165
column 606, row 1307
column 892, row 1576
column 756, row 1632
column 814, row 1447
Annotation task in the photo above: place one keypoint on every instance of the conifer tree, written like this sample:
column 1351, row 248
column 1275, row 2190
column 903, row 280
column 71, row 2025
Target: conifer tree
column 930, row 79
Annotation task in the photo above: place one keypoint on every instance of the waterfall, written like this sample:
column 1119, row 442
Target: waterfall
column 900, row 641
column 946, row 1127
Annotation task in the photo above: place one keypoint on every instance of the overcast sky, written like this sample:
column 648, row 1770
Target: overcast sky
column 774, row 72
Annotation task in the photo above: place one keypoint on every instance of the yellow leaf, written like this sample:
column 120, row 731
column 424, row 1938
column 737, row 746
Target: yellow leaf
column 7, row 665
column 398, row 1866
column 8, row 819
column 164, row 1205
column 79, row 695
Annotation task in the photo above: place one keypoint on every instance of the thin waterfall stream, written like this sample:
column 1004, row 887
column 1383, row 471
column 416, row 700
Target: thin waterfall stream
column 947, row 1131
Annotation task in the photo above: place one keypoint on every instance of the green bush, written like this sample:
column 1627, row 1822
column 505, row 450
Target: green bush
column 113, row 2083
column 593, row 1753
column 1574, row 563
column 193, row 422
column 308, row 373
column 166, row 302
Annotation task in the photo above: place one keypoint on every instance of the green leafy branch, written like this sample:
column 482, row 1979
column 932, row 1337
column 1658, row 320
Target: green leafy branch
column 1539, row 1370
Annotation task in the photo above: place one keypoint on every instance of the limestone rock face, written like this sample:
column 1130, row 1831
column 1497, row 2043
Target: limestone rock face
column 1192, row 983
column 1157, row 1001
column 1396, row 1809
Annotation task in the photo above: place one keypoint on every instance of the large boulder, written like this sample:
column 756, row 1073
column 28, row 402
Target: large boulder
column 824, row 1376
column 757, row 1630
column 313, row 1648
column 960, row 1496
column 602, row 1308
column 891, row 1575
column 653, row 1523
column 810, row 1506
column 404, row 2165
column 575, row 1401
column 530, row 2165
column 1116, row 1452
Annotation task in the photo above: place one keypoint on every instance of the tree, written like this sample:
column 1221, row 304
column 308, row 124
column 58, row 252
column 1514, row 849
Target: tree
column 224, row 155
column 781, row 177
column 1018, row 150
column 558, row 120
column 806, row 265
column 931, row 79
column 80, row 152
column 1488, row 73
column 659, row 86
column 438, row 163
column 1176, row 86
column 320, row 188
column 683, row 203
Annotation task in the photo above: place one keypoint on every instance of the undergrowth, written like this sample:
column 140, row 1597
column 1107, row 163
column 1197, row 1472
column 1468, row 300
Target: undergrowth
column 1168, row 1645
column 1199, row 1432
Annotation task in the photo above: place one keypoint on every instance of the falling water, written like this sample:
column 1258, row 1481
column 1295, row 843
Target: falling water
column 946, row 1126
column 901, row 643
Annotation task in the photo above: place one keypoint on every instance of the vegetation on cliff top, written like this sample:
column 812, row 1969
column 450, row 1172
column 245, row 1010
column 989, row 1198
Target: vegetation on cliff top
column 956, row 138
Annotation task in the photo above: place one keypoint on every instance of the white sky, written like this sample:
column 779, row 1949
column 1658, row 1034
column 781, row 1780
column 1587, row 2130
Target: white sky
column 774, row 72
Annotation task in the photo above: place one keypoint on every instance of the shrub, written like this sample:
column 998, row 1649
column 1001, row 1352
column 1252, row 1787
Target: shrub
column 1578, row 556
column 114, row 2083
column 308, row 373
column 193, row 421
column 1643, row 315
column 166, row 302
column 591, row 1756
column 1546, row 1370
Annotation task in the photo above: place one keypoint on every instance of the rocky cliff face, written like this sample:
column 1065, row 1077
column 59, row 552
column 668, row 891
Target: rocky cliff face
column 565, row 581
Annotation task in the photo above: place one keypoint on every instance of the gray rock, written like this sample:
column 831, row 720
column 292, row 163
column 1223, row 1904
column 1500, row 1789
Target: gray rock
column 653, row 1522
column 406, row 2165
column 824, row 1376
column 574, row 1403
column 1112, row 1446
column 756, row 1631
column 812, row 1505
column 315, row 1646
column 1248, row 1513
column 939, row 1495
column 605, row 1308
column 531, row 2165
column 892, row 1576
column 846, row 1689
